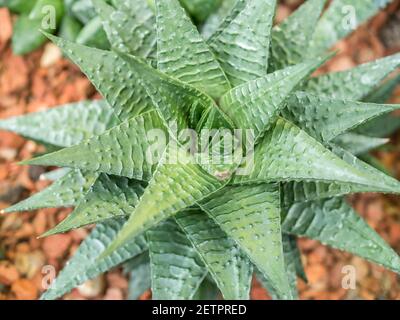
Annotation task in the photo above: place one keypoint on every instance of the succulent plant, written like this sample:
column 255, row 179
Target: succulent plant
column 192, row 228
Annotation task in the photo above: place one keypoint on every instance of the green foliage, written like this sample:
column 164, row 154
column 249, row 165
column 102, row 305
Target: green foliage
column 191, row 229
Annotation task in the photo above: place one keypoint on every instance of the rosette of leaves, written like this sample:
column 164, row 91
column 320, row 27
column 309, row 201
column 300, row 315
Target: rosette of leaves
column 190, row 230
column 74, row 20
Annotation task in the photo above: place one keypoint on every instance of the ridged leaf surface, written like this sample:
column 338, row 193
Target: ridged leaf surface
column 176, row 269
column 334, row 222
column 130, row 26
column 182, row 52
column 85, row 264
column 228, row 266
column 64, row 126
column 109, row 197
column 325, row 118
column 242, row 47
column 251, row 216
column 67, row 191
column 122, row 150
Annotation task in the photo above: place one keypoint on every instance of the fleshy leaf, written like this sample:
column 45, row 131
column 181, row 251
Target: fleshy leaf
column 334, row 222
column 176, row 102
column 287, row 153
column 207, row 290
column 67, row 191
column 357, row 143
column 251, row 216
column 182, row 52
column 201, row 9
column 242, row 47
column 255, row 104
column 293, row 267
column 288, row 45
column 139, row 272
column 93, row 35
column 383, row 93
column 385, row 125
column 228, row 266
column 176, row 269
column 110, row 75
column 355, row 83
column 85, row 265
column 64, row 126
column 341, row 19
column 215, row 19
column 293, row 192
column 129, row 27
column 325, row 118
column 178, row 183
column 122, row 150
column 109, row 197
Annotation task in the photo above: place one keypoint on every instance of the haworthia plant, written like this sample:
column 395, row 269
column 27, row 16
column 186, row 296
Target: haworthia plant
column 182, row 223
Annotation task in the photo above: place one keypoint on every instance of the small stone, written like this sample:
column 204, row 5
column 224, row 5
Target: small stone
column 24, row 290
column 56, row 246
column 113, row 294
column 92, row 288
column 40, row 223
column 8, row 273
column 29, row 264
column 51, row 55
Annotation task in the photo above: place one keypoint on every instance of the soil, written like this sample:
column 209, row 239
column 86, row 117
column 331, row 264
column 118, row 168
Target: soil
column 44, row 79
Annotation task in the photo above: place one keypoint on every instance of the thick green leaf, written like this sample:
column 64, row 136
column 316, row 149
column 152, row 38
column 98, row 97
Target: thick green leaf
column 85, row 264
column 325, row 118
column 182, row 52
column 228, row 266
column 355, row 83
column 109, row 197
column 287, row 153
column 207, row 290
column 93, row 35
column 64, row 126
column 139, row 272
column 387, row 124
column 216, row 18
column 83, row 10
column 130, row 27
column 55, row 174
column 251, row 216
column 293, row 264
column 19, row 6
column 357, row 143
column 383, row 93
column 178, row 104
column 201, row 9
column 293, row 192
column 67, row 191
column 290, row 39
column 46, row 14
column 384, row 126
column 334, row 222
column 178, row 183
column 110, row 75
column 69, row 28
column 341, row 19
column 243, row 46
column 220, row 19
column 26, row 36
column 122, row 150
column 256, row 104
column 176, row 269
column 293, row 256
